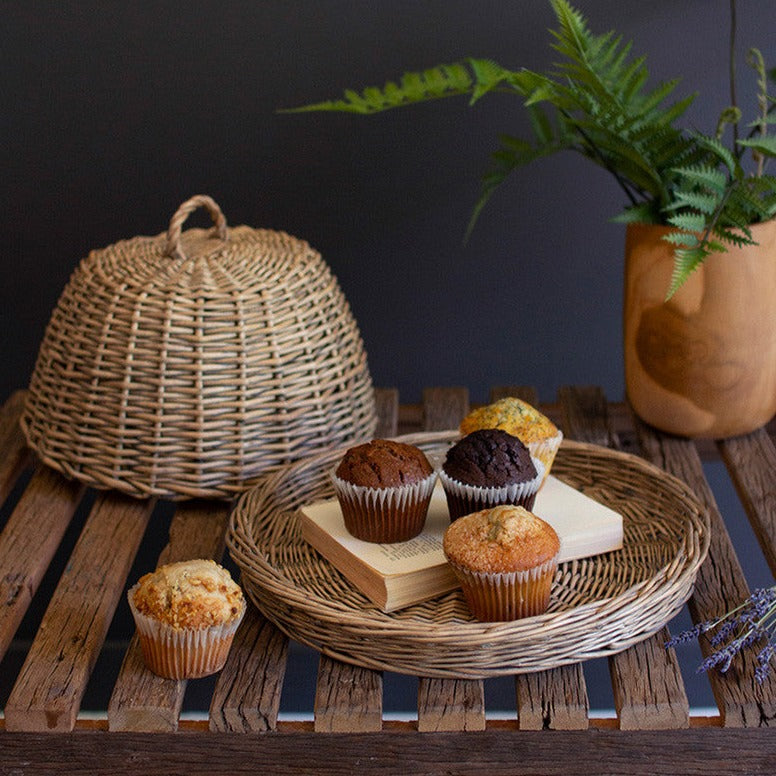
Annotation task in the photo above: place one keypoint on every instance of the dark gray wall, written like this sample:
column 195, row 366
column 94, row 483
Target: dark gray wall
column 113, row 113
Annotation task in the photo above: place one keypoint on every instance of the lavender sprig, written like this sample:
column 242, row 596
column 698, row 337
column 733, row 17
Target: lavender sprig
column 749, row 623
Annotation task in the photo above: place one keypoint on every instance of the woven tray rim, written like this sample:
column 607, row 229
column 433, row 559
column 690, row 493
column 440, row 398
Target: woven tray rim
column 341, row 630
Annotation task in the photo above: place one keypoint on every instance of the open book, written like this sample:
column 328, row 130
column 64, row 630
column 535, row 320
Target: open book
column 396, row 575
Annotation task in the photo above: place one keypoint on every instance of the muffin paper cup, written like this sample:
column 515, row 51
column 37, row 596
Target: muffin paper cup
column 545, row 450
column 384, row 515
column 498, row 597
column 176, row 653
column 463, row 499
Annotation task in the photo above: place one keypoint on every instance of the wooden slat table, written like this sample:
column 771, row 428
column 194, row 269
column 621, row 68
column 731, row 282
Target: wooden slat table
column 651, row 731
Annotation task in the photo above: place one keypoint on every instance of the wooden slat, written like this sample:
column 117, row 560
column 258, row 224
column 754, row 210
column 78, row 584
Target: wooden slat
column 15, row 454
column 647, row 682
column 29, row 541
column 720, row 584
column 141, row 700
column 444, row 408
column 387, row 407
column 555, row 699
column 448, row 704
column 751, row 461
column 247, row 694
column 493, row 752
column 48, row 692
column 348, row 699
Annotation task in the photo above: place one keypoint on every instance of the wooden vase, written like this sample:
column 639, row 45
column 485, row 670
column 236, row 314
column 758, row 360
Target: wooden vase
column 703, row 363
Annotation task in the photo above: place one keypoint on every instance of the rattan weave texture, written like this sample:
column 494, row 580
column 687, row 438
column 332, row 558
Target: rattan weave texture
column 600, row 605
column 190, row 363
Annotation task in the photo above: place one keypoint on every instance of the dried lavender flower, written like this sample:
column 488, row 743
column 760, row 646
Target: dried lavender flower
column 751, row 622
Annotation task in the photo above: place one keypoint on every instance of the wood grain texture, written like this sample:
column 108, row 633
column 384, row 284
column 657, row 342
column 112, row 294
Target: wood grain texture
column 141, row 700
column 28, row 543
column 16, row 454
column 555, row 699
column 751, row 461
column 48, row 692
column 387, row 408
column 444, row 408
column 647, row 682
column 720, row 584
column 246, row 698
column 348, row 699
column 493, row 752
column 448, row 704
column 700, row 363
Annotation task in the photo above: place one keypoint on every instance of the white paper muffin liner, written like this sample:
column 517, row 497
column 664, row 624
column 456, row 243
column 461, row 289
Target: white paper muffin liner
column 545, row 450
column 384, row 515
column 462, row 499
column 188, row 653
column 498, row 597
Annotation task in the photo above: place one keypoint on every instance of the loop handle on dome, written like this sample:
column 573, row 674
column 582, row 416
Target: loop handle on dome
column 173, row 248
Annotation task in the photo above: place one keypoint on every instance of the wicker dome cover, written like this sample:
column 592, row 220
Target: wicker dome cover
column 190, row 363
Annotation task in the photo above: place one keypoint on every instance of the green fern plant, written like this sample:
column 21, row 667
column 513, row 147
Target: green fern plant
column 596, row 101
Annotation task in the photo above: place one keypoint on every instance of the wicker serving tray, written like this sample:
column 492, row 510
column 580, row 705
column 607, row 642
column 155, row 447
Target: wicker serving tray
column 600, row 605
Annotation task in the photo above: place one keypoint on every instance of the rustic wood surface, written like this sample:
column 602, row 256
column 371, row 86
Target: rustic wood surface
column 720, row 583
column 247, row 695
column 47, row 695
column 653, row 730
column 648, row 688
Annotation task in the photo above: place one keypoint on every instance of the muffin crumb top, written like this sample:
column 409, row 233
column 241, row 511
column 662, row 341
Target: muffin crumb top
column 384, row 463
column 501, row 539
column 513, row 415
column 189, row 594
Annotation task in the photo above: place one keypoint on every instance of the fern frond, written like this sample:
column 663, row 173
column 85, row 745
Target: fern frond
column 512, row 154
column 719, row 152
column 695, row 200
column 688, row 222
column 686, row 261
column 765, row 144
column 709, row 178
column 451, row 80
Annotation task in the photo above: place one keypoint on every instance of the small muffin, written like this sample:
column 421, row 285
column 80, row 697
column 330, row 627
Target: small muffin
column 505, row 559
column 384, row 489
column 521, row 420
column 486, row 468
column 186, row 615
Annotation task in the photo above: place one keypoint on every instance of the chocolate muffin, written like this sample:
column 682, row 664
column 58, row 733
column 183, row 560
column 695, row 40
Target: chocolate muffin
column 489, row 467
column 384, row 488
column 520, row 419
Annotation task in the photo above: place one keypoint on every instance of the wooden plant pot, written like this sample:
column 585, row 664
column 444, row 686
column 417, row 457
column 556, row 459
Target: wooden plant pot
column 702, row 364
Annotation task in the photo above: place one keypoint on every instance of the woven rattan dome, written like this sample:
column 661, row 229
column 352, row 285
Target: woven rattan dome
column 190, row 363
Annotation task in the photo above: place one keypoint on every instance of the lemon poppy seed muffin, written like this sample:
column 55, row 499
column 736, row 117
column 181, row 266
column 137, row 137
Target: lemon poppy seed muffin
column 186, row 615
column 505, row 559
column 522, row 420
column 384, row 488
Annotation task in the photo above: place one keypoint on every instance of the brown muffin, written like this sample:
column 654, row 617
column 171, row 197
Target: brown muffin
column 186, row 615
column 486, row 468
column 383, row 463
column 522, row 420
column 505, row 559
column 384, row 488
